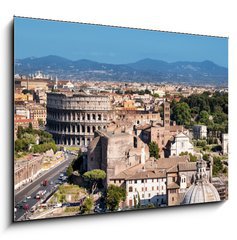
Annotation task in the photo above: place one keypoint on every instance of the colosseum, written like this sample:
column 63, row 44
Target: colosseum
column 72, row 118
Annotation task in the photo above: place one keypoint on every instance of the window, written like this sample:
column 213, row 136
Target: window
column 114, row 181
column 130, row 189
column 149, row 195
column 172, row 190
column 135, row 181
column 142, row 189
column 173, row 179
column 145, row 188
column 172, row 199
column 152, row 188
column 142, row 195
column 142, row 180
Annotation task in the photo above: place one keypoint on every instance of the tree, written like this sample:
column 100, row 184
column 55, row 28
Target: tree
column 87, row 205
column 40, row 122
column 69, row 170
column 192, row 158
column 135, row 201
column 181, row 113
column 217, row 166
column 154, row 149
column 156, row 95
column 115, row 195
column 18, row 145
column 94, row 176
column 30, row 128
column 20, row 131
column 138, row 200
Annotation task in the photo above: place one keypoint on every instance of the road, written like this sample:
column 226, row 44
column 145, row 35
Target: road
column 34, row 187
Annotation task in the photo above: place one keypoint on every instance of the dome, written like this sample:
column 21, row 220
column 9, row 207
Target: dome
column 201, row 190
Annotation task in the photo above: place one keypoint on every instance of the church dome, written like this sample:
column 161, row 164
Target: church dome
column 201, row 190
column 200, row 193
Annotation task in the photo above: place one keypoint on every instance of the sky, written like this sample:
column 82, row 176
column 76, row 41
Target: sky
column 38, row 38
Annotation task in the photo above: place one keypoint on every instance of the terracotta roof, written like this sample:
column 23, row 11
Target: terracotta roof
column 173, row 185
column 166, row 163
column 189, row 166
column 148, row 174
column 175, row 128
column 23, row 120
column 153, row 168
column 128, row 172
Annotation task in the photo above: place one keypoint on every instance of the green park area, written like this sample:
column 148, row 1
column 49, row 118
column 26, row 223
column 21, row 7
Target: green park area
column 31, row 140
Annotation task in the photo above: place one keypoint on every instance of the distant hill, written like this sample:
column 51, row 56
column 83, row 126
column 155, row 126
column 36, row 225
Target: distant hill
column 145, row 70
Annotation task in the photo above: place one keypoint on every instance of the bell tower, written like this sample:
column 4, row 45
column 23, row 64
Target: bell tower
column 166, row 109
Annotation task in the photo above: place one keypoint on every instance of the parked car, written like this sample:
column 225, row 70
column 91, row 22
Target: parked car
column 51, row 183
column 58, row 205
column 26, row 207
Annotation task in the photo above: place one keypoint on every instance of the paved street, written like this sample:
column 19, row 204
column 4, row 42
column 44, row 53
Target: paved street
column 34, row 187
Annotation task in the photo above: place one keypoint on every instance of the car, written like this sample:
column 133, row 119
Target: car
column 25, row 200
column 58, row 205
column 98, row 208
column 19, row 205
column 51, row 183
column 66, row 204
column 33, row 209
column 28, row 197
column 26, row 207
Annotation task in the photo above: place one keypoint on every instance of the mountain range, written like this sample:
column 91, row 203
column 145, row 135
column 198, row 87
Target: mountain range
column 145, row 70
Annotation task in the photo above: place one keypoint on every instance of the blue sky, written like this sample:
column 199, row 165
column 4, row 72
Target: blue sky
column 75, row 41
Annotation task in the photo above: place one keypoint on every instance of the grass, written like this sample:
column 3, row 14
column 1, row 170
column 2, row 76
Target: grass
column 68, row 193
column 71, row 148
column 72, row 209
column 19, row 155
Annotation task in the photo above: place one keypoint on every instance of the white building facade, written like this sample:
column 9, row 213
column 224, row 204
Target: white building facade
column 225, row 145
column 181, row 144
column 199, row 131
column 147, row 190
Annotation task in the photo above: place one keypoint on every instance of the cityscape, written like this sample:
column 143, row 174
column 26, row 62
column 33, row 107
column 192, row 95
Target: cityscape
column 105, row 138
